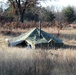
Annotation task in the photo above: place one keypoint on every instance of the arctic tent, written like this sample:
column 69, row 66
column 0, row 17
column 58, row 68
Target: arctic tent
column 36, row 38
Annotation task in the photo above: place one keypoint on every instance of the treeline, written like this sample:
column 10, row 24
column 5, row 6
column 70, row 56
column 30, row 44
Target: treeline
column 67, row 15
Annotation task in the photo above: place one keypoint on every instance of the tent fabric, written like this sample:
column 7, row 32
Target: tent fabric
column 33, row 37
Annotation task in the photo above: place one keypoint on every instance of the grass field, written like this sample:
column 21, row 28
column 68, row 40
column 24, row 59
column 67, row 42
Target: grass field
column 22, row 61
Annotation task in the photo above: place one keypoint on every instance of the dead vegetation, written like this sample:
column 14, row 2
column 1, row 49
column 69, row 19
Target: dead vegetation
column 22, row 61
column 16, row 25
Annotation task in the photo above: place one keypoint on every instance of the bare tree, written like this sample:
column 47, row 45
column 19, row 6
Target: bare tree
column 20, row 6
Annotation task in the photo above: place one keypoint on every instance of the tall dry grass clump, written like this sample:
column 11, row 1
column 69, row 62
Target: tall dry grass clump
column 19, row 61
column 64, row 62
column 24, row 62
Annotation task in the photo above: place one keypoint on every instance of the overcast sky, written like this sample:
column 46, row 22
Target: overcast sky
column 3, row 0
column 58, row 3
column 61, row 2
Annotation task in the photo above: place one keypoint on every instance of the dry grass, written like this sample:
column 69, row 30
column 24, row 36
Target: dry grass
column 21, row 61
column 15, row 61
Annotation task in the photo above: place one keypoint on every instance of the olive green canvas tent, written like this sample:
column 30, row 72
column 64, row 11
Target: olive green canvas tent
column 36, row 38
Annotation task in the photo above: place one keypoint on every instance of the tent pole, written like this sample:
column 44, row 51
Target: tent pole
column 40, row 27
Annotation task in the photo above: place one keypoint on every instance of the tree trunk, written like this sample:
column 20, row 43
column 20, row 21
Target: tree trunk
column 22, row 16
